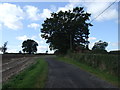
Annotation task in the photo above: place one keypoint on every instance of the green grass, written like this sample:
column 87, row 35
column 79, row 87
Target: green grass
column 32, row 77
column 101, row 74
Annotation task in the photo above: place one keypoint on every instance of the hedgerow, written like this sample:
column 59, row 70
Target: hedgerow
column 103, row 62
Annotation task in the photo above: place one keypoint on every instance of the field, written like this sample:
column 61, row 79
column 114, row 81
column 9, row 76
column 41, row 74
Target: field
column 33, row 77
column 14, row 63
column 17, row 70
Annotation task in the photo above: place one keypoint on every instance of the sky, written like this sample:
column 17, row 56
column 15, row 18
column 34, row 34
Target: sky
column 20, row 21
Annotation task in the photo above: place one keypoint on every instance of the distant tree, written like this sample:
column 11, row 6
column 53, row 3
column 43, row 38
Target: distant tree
column 4, row 47
column 46, row 51
column 67, row 30
column 29, row 46
column 20, row 52
column 100, row 45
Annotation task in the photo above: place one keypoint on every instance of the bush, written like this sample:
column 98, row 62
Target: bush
column 103, row 62
column 59, row 53
column 115, row 52
column 99, row 51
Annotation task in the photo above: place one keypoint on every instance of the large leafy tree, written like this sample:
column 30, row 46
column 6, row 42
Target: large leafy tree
column 100, row 45
column 67, row 30
column 29, row 46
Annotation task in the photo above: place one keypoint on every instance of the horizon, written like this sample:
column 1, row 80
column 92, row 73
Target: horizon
column 25, row 20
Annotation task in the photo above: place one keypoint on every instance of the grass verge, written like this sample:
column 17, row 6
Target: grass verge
column 32, row 77
column 101, row 74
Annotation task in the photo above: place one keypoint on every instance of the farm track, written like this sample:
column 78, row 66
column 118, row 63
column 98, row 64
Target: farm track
column 14, row 66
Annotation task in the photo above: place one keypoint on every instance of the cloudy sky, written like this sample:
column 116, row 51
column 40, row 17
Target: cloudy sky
column 22, row 20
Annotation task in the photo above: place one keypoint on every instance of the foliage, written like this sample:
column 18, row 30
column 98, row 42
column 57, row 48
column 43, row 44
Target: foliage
column 66, row 30
column 32, row 77
column 99, row 51
column 115, row 52
column 100, row 45
column 80, row 48
column 115, row 80
column 29, row 46
column 4, row 47
column 105, row 62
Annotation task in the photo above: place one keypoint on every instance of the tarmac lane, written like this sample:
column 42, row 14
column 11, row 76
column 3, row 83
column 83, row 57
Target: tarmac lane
column 63, row 75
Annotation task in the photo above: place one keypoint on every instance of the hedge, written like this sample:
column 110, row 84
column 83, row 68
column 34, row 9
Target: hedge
column 103, row 62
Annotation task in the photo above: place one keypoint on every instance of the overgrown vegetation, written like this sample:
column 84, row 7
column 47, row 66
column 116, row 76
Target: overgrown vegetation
column 81, row 61
column 104, row 62
column 33, row 77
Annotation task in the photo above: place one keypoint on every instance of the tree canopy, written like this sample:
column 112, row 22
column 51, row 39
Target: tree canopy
column 100, row 45
column 67, row 30
column 29, row 46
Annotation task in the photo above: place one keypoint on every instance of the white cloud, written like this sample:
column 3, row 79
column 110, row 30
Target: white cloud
column 93, row 41
column 45, row 14
column 32, row 12
column 91, row 45
column 42, row 49
column 34, row 25
column 91, row 38
column 11, row 16
column 109, row 14
column 12, row 50
column 33, row 37
column 51, row 51
column 42, row 42
column 0, row 26
column 24, row 37
column 67, row 7
column 95, row 8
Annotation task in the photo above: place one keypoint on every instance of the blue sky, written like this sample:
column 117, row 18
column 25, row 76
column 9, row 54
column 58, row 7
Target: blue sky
column 22, row 20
